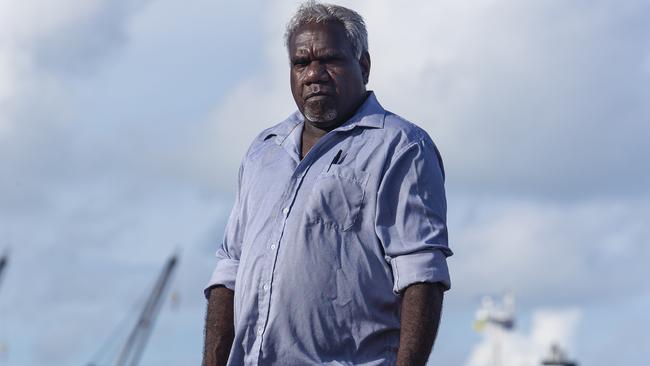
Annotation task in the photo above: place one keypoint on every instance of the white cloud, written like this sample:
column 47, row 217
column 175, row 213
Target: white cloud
column 549, row 326
column 40, row 40
column 542, row 98
column 548, row 252
column 522, row 98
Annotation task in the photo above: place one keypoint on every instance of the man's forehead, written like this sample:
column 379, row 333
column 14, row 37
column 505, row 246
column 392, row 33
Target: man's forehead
column 319, row 35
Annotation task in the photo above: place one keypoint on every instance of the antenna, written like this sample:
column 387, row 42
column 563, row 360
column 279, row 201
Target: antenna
column 557, row 357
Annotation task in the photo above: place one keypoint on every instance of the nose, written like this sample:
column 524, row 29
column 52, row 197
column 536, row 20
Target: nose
column 315, row 72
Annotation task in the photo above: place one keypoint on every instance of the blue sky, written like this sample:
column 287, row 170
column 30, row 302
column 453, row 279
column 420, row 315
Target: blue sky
column 122, row 123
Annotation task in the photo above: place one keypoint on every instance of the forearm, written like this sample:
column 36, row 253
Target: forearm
column 219, row 327
column 421, row 308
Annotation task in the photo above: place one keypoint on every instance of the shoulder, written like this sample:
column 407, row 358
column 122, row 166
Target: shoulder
column 272, row 136
column 397, row 125
column 406, row 138
column 403, row 133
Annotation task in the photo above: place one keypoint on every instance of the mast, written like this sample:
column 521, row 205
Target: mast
column 135, row 345
column 497, row 319
column 3, row 264
column 557, row 357
column 4, row 347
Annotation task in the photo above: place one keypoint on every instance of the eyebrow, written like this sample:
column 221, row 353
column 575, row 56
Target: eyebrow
column 319, row 54
column 330, row 53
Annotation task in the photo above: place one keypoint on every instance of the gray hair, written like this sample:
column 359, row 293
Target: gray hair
column 314, row 12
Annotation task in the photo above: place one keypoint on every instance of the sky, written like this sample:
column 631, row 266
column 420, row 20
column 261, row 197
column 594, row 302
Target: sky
column 122, row 123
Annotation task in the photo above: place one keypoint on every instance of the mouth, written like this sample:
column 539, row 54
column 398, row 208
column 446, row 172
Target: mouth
column 317, row 95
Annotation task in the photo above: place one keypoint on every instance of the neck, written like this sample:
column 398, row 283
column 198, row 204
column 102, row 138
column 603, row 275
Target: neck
column 310, row 135
column 312, row 132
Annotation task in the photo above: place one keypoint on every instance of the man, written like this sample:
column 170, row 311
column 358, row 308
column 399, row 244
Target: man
column 335, row 250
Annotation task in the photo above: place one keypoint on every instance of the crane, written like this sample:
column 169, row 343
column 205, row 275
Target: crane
column 131, row 352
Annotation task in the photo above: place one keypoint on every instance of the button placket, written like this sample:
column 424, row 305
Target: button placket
column 265, row 298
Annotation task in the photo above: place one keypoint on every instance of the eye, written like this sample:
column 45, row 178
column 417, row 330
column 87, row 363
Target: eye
column 332, row 58
column 299, row 63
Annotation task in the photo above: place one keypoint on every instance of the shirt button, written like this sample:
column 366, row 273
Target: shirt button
column 285, row 210
column 260, row 330
column 265, row 287
column 273, row 246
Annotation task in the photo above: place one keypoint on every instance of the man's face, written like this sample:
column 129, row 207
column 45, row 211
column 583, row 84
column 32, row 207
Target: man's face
column 327, row 81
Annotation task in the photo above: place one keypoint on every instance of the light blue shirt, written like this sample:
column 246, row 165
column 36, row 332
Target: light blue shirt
column 318, row 250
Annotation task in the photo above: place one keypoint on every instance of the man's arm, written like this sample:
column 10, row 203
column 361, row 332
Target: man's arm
column 219, row 327
column 421, row 308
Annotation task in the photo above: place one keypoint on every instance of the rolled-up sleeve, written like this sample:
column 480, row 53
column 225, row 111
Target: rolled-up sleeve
column 225, row 271
column 411, row 216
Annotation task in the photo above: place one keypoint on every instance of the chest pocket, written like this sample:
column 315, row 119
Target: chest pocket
column 336, row 197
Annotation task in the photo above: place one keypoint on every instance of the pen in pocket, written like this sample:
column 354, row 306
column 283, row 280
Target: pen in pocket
column 335, row 160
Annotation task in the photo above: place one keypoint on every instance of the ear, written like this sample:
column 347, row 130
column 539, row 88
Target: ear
column 364, row 62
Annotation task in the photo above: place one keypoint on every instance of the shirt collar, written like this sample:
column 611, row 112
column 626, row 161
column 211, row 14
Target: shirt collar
column 371, row 114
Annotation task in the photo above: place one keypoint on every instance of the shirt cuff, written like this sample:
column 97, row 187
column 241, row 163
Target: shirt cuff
column 429, row 266
column 224, row 274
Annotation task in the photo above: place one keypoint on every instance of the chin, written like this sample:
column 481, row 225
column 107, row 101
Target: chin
column 320, row 116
